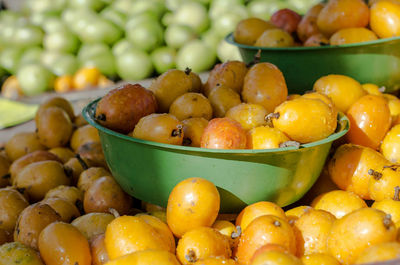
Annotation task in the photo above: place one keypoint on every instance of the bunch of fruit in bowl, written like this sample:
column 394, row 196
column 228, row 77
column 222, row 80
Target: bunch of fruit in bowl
column 239, row 107
column 335, row 23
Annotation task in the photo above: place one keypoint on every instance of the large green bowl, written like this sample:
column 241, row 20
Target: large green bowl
column 376, row 62
column 149, row 170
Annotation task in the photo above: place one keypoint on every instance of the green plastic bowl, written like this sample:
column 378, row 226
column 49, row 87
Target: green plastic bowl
column 376, row 62
column 149, row 170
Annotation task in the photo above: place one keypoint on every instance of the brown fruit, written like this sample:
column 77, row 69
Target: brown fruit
column 63, row 153
column 223, row 133
column 248, row 30
column 93, row 224
column 4, row 172
column 286, row 19
column 193, row 129
column 222, row 98
column 92, row 152
column 123, row 107
column 16, row 253
column 89, row 176
column 308, row 24
column 98, row 250
column 80, row 121
column 64, row 208
column 21, row 144
column 191, row 105
column 68, row 193
column 76, row 165
column 12, row 203
column 83, row 135
column 56, row 102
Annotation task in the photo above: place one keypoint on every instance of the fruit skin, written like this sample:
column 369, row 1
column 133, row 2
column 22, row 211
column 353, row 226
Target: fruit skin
column 339, row 14
column 17, row 253
column 98, row 250
column 370, row 120
column 275, row 38
column 93, row 224
column 264, row 84
column 86, row 77
column 249, row 30
column 349, row 168
column 319, row 259
column 215, row 261
column 263, row 230
column 83, row 135
column 352, row 35
column 191, row 105
column 64, row 208
column 12, row 203
column 223, row 133
column 223, row 98
column 383, row 183
column 308, row 24
column 193, row 203
column 390, row 206
column 193, row 129
column 201, row 243
column 286, row 19
column 129, row 234
column 146, row 257
column 265, row 137
column 391, row 144
column 90, row 175
column 248, row 115
column 316, row 40
column 56, row 102
column 62, row 244
column 358, row 230
column 21, row 144
column 122, row 108
column 385, row 18
column 379, row 252
column 305, row 120
column 275, row 257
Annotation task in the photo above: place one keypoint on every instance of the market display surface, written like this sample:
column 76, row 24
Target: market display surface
column 242, row 167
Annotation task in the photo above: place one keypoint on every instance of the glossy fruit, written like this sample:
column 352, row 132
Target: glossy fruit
column 383, row 183
column 379, row 253
column 223, row 98
column 350, row 165
column 191, row 105
column 128, row 234
column 162, row 128
column 170, row 85
column 385, row 19
column 311, row 231
column 343, row 90
column 305, row 120
column 21, row 144
column 104, row 194
column 223, row 133
column 93, row 224
column 286, row 19
column 76, row 166
column 338, row 202
column 89, row 176
column 192, row 203
column 123, row 107
column 146, row 257
column 249, row 30
column 215, row 261
column 274, row 257
column 316, row 40
column 63, row 153
column 251, row 212
column 229, row 230
column 65, row 209
column 92, row 154
column 86, row 77
column 265, row 137
column 264, row 84
column 308, row 23
column 394, row 106
column 248, row 115
column 62, row 244
column 98, row 250
column 264, row 230
column 32, row 220
column 358, row 230
column 193, row 129
column 372, row 89
column 370, row 120
column 12, row 203
column 296, row 212
column 390, row 146
column 352, row 35
column 390, row 206
column 339, row 14
column 16, row 253
column 56, row 102
column 274, row 38
column 83, row 135
column 68, row 193
column 319, row 259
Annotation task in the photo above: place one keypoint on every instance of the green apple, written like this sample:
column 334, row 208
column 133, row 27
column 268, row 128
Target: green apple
column 53, row 24
column 176, row 35
column 78, row 20
column 7, row 33
column 226, row 23
column 192, row 14
column 151, row 6
column 104, row 61
column 9, row 59
column 301, row 6
column 61, row 41
column 34, row 79
column 40, row 19
column 139, row 19
column 264, row 8
column 90, row 50
column 146, row 35
column 31, row 55
column 27, row 36
column 228, row 52
column 39, row 6
column 134, row 64
column 196, row 55
column 49, row 58
column 173, row 4
column 163, row 59
column 115, row 16
column 122, row 5
column 219, row 7
column 167, row 19
column 121, row 46
column 66, row 64
column 86, row 4
column 9, row 17
column 211, row 38
column 100, row 30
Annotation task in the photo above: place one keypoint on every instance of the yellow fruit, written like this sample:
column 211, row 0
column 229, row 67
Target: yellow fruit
column 385, row 19
column 64, row 84
column 319, row 259
column 390, row 146
column 86, row 77
column 146, row 257
column 379, row 253
column 352, row 35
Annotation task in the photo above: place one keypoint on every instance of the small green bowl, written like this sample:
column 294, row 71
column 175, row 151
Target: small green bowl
column 376, row 62
column 149, row 170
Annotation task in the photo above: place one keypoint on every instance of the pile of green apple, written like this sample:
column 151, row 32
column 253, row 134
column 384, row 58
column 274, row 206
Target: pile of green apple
column 127, row 39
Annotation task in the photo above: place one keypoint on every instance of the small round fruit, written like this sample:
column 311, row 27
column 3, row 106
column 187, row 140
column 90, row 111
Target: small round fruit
column 275, row 38
column 390, row 206
column 229, row 230
column 319, row 259
column 76, row 165
column 21, row 144
column 93, row 224
column 338, row 202
column 215, row 261
column 200, row 243
column 83, row 135
column 98, row 250
column 62, row 244
column 286, row 19
column 394, row 106
column 68, row 193
column 90, row 175
column 86, row 77
column 223, row 133
column 63, row 153
column 193, row 203
column 308, row 24
column 249, row 30
column 383, row 183
column 274, row 257
column 251, row 212
column 327, row 100
column 265, row 137
column 248, row 115
column 296, row 212
column 193, row 129
column 263, row 230
column 370, row 120
column 385, row 19
column 128, row 234
column 32, row 220
column 151, row 256
column 358, row 230
column 343, row 90
column 223, row 98
column 316, row 40
column 372, row 89
column 105, row 193
column 305, row 120
column 379, row 253
column 191, row 105
column 352, row 35
column 16, row 253
column 64, row 84
column 390, row 146
column 264, row 84
column 65, row 209
column 12, row 203
column 162, row 128
column 56, row 102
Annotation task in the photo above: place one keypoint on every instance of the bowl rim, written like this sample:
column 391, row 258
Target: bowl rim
column 229, row 38
column 90, row 108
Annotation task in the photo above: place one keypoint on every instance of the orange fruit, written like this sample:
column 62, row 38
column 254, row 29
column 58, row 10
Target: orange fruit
column 86, row 77
column 64, row 83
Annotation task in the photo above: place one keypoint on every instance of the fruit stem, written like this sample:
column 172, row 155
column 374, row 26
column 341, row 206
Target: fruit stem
column 237, row 234
column 114, row 212
column 387, row 221
column 271, row 116
column 191, row 256
column 177, row 131
column 277, row 223
column 188, row 70
column 396, row 196
column 186, row 141
column 377, row 175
